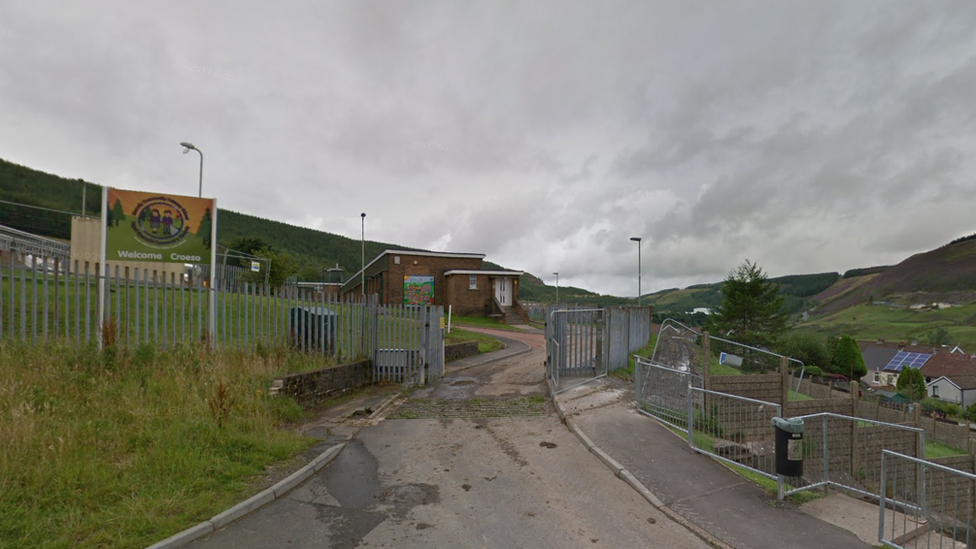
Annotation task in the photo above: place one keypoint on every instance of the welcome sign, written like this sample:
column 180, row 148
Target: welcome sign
column 141, row 226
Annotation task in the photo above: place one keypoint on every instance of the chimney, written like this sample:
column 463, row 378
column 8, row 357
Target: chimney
column 914, row 342
column 880, row 341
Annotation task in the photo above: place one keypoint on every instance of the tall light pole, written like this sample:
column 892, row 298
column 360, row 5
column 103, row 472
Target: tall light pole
column 362, row 282
column 637, row 239
column 187, row 147
column 557, row 288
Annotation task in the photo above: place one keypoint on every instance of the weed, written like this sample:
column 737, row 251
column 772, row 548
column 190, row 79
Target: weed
column 220, row 404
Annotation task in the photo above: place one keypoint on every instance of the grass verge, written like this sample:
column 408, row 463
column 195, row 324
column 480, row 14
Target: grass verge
column 108, row 449
column 937, row 450
column 486, row 343
column 481, row 322
column 627, row 373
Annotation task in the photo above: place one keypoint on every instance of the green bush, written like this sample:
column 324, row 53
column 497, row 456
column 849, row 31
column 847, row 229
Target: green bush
column 948, row 409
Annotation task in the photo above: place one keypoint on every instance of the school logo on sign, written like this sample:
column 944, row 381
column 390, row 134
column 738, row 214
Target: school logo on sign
column 160, row 221
column 142, row 226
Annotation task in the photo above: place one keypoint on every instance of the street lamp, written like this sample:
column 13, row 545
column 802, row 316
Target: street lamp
column 187, row 147
column 637, row 239
column 362, row 282
column 557, row 288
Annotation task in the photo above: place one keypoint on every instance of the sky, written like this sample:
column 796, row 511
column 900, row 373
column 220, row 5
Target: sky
column 806, row 136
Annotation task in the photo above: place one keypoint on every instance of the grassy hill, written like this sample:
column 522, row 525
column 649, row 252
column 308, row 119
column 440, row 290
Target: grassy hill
column 797, row 292
column 946, row 273
column 898, row 323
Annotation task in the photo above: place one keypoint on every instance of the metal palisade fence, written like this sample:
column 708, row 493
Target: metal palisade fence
column 589, row 343
column 48, row 298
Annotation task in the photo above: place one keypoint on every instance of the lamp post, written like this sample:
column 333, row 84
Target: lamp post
column 362, row 282
column 187, row 147
column 557, row 288
column 637, row 239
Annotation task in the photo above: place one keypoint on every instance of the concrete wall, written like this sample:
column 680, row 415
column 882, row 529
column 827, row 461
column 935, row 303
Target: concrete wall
column 842, row 406
column 311, row 388
column 768, row 387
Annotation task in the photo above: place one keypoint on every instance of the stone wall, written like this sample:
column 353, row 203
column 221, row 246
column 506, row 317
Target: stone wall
column 311, row 388
column 460, row 350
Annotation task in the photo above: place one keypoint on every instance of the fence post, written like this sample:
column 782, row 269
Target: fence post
column 972, row 453
column 855, row 398
column 706, row 361
column 784, row 373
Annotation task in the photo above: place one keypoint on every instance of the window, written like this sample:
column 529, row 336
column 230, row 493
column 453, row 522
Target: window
column 472, row 282
column 877, row 376
column 935, row 391
column 396, row 260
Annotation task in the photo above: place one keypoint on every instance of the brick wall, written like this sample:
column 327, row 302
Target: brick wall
column 465, row 301
column 460, row 350
column 311, row 388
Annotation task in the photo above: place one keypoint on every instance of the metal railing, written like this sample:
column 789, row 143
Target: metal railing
column 846, row 452
column 662, row 392
column 924, row 504
column 734, row 429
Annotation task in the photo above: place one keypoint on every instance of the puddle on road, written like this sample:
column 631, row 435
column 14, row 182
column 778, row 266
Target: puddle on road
column 463, row 382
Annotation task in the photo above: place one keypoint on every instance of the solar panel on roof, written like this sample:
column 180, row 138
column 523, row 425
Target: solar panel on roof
column 905, row 359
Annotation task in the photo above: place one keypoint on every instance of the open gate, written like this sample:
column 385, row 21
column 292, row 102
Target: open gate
column 575, row 347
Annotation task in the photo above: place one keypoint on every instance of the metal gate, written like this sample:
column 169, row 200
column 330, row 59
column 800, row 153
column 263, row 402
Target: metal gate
column 409, row 344
column 575, row 346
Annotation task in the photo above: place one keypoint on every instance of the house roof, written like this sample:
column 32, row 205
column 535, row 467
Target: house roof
column 876, row 358
column 951, row 365
column 963, row 383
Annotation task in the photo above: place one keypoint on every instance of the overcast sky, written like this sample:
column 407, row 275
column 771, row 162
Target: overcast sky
column 806, row 136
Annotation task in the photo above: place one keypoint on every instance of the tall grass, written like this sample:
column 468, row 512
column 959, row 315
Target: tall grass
column 110, row 449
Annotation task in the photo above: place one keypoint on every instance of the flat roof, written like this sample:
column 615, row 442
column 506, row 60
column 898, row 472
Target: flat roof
column 483, row 272
column 422, row 253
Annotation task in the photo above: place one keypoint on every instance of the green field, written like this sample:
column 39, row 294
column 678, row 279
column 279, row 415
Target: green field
column 866, row 322
column 170, row 315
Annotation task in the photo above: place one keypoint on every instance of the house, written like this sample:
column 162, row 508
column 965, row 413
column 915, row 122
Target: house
column 885, row 360
column 951, row 377
column 458, row 280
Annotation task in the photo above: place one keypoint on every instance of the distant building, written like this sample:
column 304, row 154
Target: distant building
column 440, row 278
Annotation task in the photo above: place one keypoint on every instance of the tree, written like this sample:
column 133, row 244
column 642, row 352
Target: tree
column 808, row 348
column 206, row 227
column 911, row 383
column 939, row 337
column 847, row 359
column 117, row 213
column 283, row 265
column 752, row 310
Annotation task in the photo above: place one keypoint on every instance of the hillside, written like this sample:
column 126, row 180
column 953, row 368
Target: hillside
column 62, row 198
column 938, row 274
column 797, row 292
